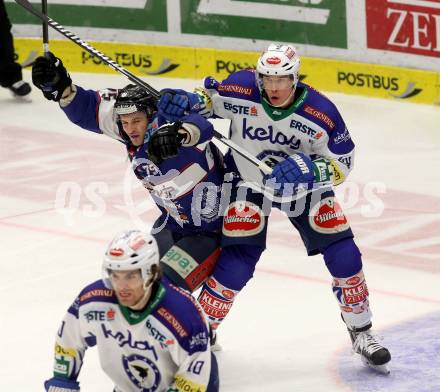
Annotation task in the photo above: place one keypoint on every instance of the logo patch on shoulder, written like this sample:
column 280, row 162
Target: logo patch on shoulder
column 327, row 217
column 320, row 116
column 235, row 88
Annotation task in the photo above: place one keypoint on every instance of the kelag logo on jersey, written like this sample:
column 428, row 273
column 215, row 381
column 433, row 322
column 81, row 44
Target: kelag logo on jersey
column 128, row 340
column 263, row 134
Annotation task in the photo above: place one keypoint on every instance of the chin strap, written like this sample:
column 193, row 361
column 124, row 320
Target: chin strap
column 148, row 286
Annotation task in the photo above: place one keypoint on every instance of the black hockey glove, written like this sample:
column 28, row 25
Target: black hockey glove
column 164, row 143
column 50, row 76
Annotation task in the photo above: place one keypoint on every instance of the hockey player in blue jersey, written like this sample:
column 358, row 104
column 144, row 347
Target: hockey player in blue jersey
column 299, row 132
column 186, row 188
column 150, row 334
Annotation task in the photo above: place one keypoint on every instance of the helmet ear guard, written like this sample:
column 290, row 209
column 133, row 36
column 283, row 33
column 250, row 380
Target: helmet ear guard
column 278, row 60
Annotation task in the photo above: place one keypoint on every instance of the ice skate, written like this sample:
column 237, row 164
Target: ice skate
column 372, row 353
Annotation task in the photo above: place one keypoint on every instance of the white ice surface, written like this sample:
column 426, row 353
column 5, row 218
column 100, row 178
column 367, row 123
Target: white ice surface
column 284, row 332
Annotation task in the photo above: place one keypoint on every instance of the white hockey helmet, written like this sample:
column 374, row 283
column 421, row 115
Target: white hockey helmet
column 278, row 60
column 131, row 250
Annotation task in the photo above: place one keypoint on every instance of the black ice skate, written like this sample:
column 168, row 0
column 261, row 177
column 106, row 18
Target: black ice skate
column 20, row 88
column 372, row 353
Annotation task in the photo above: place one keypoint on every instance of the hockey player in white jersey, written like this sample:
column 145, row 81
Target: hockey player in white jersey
column 150, row 335
column 299, row 132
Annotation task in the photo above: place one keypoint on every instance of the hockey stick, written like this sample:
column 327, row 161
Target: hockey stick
column 45, row 29
column 113, row 64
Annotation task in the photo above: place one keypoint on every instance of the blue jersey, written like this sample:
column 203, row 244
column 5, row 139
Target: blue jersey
column 186, row 188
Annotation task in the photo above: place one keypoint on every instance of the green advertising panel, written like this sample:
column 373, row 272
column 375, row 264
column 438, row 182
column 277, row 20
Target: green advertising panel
column 312, row 22
column 151, row 17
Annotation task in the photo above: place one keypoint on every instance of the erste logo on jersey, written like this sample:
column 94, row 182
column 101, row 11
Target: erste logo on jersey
column 304, row 128
column 100, row 315
column 241, row 109
column 160, row 337
column 243, row 219
column 327, row 217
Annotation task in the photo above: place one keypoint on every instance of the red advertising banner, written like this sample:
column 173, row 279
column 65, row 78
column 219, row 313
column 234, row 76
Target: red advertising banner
column 411, row 26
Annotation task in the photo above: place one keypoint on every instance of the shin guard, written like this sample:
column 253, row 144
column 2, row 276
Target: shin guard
column 352, row 296
column 216, row 300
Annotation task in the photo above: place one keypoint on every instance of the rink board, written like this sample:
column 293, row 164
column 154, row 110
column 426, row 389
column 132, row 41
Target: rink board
column 371, row 80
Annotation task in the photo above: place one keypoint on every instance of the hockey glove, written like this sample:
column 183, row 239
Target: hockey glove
column 50, row 76
column 297, row 170
column 61, row 385
column 165, row 142
column 175, row 103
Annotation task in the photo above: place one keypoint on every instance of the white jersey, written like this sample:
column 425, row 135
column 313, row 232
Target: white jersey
column 164, row 346
column 312, row 125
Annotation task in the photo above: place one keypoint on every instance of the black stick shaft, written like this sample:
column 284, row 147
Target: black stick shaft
column 133, row 78
column 45, row 28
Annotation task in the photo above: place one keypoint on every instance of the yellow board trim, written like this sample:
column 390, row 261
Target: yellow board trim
column 408, row 85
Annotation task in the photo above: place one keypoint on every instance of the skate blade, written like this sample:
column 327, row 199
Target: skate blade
column 383, row 369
